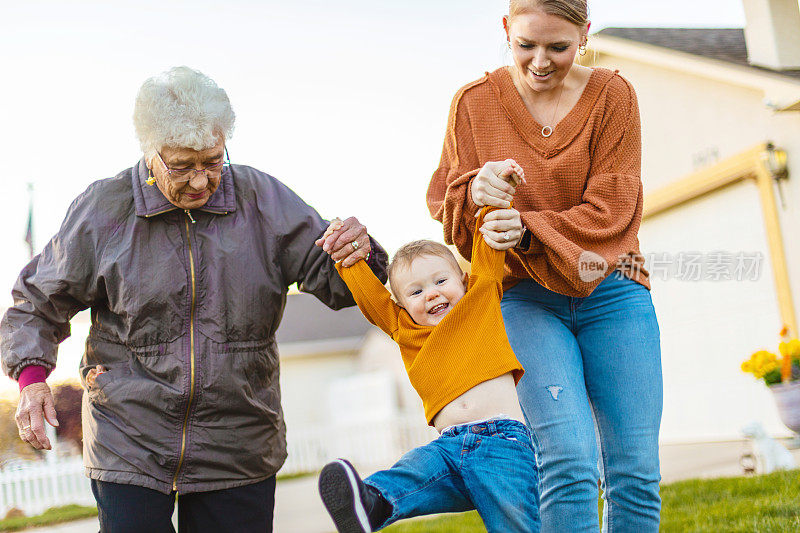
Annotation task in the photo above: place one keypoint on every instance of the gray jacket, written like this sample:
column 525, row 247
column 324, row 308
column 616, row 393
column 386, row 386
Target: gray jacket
column 185, row 306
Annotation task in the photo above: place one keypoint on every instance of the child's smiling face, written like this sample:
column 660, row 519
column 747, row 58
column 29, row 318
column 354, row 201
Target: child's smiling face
column 429, row 287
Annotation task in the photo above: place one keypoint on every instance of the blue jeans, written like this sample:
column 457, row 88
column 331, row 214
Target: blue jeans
column 488, row 466
column 592, row 371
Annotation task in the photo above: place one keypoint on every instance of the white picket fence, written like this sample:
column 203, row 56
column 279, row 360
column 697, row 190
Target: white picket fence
column 374, row 444
column 34, row 487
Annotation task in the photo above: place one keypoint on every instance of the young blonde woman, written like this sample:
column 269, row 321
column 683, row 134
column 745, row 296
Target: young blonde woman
column 577, row 306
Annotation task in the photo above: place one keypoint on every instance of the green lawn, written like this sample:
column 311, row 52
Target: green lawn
column 51, row 516
column 731, row 505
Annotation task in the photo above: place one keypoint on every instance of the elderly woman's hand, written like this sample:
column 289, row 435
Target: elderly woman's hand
column 346, row 241
column 35, row 405
column 496, row 183
column 502, row 228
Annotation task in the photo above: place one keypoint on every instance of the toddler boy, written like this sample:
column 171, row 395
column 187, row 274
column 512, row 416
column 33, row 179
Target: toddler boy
column 454, row 347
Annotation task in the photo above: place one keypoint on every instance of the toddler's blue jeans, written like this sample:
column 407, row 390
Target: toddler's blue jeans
column 592, row 370
column 488, row 466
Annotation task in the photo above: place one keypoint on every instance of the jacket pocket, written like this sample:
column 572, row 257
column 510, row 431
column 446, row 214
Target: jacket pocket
column 94, row 388
column 114, row 357
column 145, row 375
column 255, row 356
column 244, row 374
column 159, row 373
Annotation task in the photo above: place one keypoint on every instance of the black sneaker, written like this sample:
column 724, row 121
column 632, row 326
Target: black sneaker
column 354, row 506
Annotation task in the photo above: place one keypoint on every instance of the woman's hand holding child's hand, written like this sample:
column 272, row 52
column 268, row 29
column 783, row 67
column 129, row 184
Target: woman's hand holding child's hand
column 335, row 225
column 346, row 241
column 502, row 229
column 496, row 183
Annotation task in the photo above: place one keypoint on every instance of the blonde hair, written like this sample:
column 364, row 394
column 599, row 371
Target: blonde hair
column 575, row 11
column 406, row 254
column 181, row 108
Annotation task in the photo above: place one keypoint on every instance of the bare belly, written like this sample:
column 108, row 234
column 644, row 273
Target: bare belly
column 484, row 400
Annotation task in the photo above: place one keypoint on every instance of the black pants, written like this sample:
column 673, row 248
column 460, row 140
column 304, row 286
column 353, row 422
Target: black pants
column 133, row 509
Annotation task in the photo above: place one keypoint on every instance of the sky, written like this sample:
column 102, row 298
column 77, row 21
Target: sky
column 346, row 102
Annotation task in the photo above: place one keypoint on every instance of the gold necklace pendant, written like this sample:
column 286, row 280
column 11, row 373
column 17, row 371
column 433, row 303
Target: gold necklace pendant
column 547, row 131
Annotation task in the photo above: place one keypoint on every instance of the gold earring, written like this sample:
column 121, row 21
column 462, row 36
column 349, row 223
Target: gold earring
column 582, row 48
column 150, row 179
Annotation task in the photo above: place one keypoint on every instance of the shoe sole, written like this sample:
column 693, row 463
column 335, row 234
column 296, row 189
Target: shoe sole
column 339, row 491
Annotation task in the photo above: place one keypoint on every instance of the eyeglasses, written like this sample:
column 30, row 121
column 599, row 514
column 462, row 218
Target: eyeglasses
column 182, row 175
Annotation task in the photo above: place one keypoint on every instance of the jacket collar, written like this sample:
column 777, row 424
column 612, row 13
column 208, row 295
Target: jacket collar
column 149, row 201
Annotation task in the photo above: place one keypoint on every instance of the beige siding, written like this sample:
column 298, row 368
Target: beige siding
column 304, row 387
column 709, row 327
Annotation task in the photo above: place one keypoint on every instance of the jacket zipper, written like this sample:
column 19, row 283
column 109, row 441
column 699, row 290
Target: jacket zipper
column 191, row 354
column 159, row 213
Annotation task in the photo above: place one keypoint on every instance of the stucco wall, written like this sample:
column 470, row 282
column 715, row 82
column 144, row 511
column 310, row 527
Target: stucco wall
column 304, row 386
column 709, row 327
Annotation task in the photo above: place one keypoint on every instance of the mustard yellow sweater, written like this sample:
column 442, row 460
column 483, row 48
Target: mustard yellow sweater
column 469, row 345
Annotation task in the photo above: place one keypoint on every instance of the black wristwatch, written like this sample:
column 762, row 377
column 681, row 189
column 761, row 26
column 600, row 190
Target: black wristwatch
column 525, row 242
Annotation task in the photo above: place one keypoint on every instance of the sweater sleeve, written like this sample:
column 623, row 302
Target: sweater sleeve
column 371, row 296
column 609, row 214
column 449, row 198
column 486, row 261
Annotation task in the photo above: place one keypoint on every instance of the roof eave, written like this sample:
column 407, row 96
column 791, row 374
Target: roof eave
column 795, row 106
column 320, row 348
column 780, row 91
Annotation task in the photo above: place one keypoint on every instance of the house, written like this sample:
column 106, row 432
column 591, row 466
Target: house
column 720, row 113
column 324, row 357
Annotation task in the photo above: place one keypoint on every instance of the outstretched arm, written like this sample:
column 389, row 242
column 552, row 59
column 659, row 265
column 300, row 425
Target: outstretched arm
column 369, row 293
column 463, row 183
column 298, row 226
column 487, row 260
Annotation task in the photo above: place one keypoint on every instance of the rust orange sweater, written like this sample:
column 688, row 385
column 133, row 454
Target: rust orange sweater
column 583, row 190
column 469, row 345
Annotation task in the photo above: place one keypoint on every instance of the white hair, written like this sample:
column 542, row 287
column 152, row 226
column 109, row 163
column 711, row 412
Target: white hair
column 181, row 108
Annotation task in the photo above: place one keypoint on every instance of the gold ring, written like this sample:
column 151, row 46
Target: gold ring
column 354, row 244
column 25, row 428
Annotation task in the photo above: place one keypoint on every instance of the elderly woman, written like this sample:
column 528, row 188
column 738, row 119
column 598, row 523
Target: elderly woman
column 184, row 261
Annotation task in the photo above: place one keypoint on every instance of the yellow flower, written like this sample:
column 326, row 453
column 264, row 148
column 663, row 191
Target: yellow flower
column 761, row 363
column 790, row 349
column 768, row 367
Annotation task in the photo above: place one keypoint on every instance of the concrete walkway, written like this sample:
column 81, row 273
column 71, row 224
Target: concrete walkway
column 299, row 509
